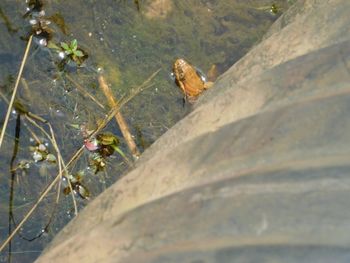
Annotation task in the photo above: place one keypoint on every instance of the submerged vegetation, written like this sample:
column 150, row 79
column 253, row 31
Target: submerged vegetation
column 81, row 70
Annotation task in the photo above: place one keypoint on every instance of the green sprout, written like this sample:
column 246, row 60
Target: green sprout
column 68, row 52
column 72, row 50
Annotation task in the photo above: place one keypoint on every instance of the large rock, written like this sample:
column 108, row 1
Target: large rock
column 258, row 172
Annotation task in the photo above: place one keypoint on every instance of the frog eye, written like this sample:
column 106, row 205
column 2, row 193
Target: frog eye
column 182, row 75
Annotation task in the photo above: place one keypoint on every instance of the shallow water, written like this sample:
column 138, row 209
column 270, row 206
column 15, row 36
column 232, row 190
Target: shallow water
column 128, row 41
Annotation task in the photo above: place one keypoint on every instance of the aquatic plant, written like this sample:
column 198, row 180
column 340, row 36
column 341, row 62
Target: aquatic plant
column 71, row 50
column 68, row 52
column 75, row 181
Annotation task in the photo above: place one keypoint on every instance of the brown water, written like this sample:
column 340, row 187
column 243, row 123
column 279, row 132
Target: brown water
column 128, row 41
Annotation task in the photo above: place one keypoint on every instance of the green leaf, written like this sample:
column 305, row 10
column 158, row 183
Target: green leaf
column 78, row 53
column 74, row 44
column 118, row 150
column 65, row 46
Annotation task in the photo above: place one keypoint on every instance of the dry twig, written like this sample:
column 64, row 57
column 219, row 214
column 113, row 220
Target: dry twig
column 77, row 154
column 59, row 156
column 84, row 92
column 15, row 90
column 119, row 117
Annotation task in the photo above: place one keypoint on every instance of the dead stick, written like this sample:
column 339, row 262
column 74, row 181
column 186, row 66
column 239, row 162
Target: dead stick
column 119, row 117
column 15, row 90
column 77, row 154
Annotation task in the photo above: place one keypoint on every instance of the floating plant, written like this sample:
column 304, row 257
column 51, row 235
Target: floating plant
column 71, row 50
column 102, row 146
column 41, row 153
column 68, row 53
column 75, row 181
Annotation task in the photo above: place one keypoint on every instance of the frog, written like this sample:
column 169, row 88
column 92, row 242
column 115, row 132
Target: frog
column 189, row 80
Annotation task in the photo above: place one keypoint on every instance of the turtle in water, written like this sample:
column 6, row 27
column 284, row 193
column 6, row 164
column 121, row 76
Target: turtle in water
column 189, row 79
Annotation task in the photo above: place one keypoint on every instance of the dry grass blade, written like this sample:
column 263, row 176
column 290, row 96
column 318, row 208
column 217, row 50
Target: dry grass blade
column 76, row 155
column 4, row 97
column 41, row 197
column 84, row 92
column 62, row 164
column 3, row 129
column 145, row 85
column 59, row 156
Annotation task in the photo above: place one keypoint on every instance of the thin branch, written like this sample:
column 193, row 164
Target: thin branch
column 54, row 143
column 59, row 156
column 15, row 90
column 4, row 97
column 41, row 197
column 84, row 92
column 77, row 154
column 145, row 85
column 124, row 128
